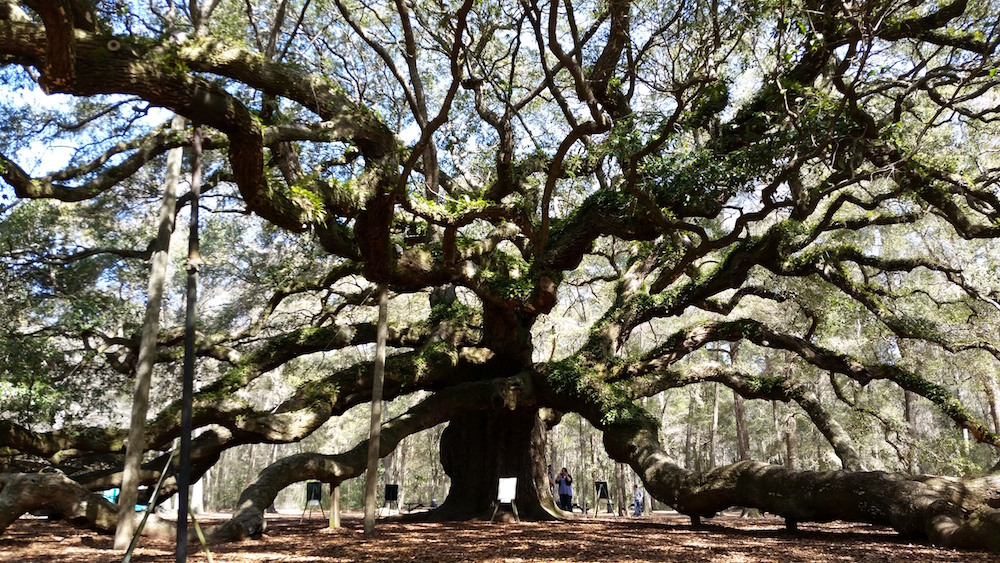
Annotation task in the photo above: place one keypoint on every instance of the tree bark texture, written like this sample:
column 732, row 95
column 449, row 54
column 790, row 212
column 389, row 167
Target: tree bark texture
column 477, row 449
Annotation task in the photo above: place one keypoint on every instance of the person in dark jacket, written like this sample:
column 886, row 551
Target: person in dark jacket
column 565, row 483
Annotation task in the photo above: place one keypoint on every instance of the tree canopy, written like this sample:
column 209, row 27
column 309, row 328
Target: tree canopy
column 575, row 207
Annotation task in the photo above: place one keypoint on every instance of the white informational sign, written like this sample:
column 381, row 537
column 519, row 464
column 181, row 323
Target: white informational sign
column 507, row 489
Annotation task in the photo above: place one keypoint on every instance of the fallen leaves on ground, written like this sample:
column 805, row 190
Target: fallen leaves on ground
column 663, row 536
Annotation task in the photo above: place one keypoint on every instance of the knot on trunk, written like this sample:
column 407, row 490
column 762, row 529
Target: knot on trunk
column 512, row 393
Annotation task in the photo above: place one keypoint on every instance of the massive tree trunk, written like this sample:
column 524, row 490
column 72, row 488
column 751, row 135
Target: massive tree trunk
column 478, row 448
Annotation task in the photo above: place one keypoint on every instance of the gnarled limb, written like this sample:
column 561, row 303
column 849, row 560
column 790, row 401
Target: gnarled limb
column 21, row 493
column 62, row 497
column 772, row 388
column 308, row 408
column 683, row 343
column 948, row 511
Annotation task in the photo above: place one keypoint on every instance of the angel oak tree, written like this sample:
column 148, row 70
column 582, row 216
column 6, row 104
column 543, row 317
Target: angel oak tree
column 817, row 181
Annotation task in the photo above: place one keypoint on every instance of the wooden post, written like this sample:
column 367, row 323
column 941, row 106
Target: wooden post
column 371, row 474
column 147, row 346
column 334, row 505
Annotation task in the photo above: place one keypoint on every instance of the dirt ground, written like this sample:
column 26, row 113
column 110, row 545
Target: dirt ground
column 659, row 537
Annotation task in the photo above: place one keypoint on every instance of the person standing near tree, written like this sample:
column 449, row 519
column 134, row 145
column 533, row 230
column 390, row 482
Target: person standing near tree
column 637, row 496
column 565, row 482
column 552, row 482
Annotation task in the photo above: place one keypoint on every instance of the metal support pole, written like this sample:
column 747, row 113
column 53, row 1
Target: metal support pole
column 193, row 263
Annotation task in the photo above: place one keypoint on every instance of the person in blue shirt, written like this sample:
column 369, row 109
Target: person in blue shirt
column 637, row 496
column 565, row 481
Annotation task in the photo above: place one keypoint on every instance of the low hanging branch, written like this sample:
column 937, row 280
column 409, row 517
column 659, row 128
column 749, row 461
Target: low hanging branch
column 21, row 493
column 948, row 511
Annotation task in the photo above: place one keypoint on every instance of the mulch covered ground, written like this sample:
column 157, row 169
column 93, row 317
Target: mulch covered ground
column 660, row 537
